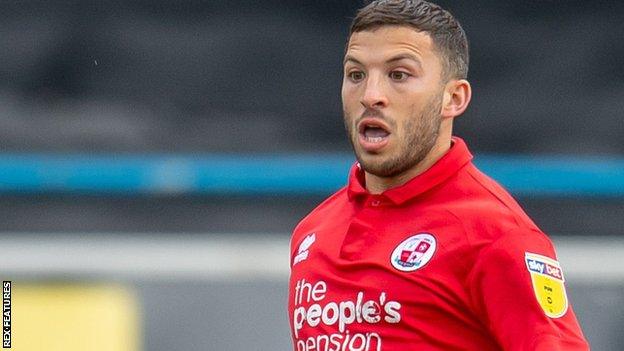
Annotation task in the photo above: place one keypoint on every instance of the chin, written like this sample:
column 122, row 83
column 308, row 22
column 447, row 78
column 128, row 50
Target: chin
column 376, row 166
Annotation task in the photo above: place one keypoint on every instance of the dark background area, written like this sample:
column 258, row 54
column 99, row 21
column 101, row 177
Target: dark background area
column 272, row 214
column 263, row 77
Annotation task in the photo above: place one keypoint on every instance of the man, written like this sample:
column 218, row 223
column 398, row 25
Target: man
column 420, row 251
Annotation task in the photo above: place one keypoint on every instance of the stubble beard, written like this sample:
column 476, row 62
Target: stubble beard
column 421, row 132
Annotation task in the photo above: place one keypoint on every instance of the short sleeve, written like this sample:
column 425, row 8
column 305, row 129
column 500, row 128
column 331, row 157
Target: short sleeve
column 518, row 290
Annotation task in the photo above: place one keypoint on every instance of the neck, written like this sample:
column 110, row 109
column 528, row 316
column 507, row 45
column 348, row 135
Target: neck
column 377, row 185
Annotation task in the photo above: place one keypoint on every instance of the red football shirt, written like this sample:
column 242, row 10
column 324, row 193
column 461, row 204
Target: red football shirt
column 447, row 261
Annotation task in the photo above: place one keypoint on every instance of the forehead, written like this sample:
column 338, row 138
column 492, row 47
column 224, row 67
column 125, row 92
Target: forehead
column 388, row 41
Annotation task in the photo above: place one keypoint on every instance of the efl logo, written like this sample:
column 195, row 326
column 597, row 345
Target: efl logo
column 548, row 284
column 6, row 314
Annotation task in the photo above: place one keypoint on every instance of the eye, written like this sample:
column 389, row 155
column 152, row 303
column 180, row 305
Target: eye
column 356, row 76
column 399, row 75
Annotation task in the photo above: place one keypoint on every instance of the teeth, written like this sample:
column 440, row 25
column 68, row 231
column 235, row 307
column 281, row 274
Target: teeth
column 374, row 139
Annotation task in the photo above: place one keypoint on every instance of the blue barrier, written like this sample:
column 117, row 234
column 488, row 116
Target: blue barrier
column 288, row 174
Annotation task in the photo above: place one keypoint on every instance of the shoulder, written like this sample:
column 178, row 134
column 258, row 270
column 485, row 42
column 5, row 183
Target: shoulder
column 325, row 211
column 517, row 243
column 485, row 209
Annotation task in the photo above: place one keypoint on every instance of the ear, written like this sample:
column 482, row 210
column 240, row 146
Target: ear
column 457, row 94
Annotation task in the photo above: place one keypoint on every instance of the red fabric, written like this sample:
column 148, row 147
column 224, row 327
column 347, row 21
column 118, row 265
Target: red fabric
column 473, row 293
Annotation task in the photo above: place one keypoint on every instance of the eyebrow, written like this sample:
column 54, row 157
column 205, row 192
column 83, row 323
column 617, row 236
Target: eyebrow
column 406, row 57
column 352, row 59
column 349, row 58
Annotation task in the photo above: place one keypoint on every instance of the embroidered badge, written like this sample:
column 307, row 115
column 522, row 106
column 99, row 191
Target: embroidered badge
column 303, row 251
column 547, row 279
column 414, row 252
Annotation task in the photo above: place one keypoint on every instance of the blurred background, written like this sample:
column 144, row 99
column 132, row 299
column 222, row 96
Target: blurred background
column 155, row 156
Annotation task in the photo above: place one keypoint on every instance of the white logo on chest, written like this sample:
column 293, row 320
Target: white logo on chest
column 414, row 252
column 303, row 251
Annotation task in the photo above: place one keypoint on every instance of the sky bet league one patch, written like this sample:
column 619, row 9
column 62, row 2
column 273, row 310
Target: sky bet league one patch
column 547, row 279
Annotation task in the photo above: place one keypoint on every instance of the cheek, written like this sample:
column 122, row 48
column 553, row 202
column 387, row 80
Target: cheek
column 343, row 90
column 409, row 116
column 349, row 95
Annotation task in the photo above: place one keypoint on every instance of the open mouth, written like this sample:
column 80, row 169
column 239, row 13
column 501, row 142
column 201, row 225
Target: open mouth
column 373, row 134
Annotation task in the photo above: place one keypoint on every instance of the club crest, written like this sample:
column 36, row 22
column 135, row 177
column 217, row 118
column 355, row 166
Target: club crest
column 414, row 252
column 547, row 279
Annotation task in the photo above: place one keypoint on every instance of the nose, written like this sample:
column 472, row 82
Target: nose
column 374, row 94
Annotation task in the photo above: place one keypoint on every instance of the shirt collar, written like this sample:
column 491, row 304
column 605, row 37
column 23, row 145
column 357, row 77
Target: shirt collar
column 457, row 156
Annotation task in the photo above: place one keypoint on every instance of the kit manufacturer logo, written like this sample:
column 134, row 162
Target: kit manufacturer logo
column 414, row 252
column 304, row 247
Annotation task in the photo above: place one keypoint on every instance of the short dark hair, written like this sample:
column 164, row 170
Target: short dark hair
column 447, row 34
